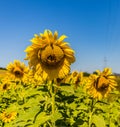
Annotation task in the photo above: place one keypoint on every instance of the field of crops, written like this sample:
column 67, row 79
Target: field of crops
column 47, row 94
column 2, row 73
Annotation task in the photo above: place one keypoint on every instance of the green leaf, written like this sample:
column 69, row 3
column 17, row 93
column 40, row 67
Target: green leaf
column 68, row 89
column 113, row 125
column 41, row 118
column 72, row 105
column 56, row 116
column 98, row 121
column 83, row 107
column 12, row 124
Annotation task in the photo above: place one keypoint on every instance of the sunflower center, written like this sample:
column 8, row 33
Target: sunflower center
column 5, row 86
column 52, row 55
column 8, row 116
column 75, row 74
column 102, row 83
column 18, row 72
column 51, row 58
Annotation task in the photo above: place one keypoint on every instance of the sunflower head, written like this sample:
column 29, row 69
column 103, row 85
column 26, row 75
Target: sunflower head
column 8, row 117
column 6, row 85
column 50, row 55
column 77, row 78
column 101, row 83
column 17, row 70
column 29, row 79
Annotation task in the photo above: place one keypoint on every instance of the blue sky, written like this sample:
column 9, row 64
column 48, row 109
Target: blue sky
column 92, row 27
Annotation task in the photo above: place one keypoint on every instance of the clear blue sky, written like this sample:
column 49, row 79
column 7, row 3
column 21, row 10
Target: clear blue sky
column 92, row 27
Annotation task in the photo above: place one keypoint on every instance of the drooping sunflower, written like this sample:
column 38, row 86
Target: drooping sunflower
column 75, row 78
column 49, row 55
column 100, row 84
column 8, row 117
column 17, row 70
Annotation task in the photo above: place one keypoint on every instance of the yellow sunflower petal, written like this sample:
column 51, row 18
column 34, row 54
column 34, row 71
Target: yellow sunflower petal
column 62, row 38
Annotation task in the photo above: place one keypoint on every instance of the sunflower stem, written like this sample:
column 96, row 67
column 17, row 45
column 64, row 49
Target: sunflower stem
column 53, row 108
column 3, row 124
column 53, row 104
column 91, row 112
column 90, row 119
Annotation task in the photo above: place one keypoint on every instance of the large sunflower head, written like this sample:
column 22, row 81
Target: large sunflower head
column 17, row 70
column 50, row 55
column 101, row 83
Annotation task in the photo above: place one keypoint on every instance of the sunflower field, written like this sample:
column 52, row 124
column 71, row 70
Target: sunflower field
column 47, row 94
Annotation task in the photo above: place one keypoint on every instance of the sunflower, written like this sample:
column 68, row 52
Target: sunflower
column 6, row 85
column 7, row 117
column 100, row 84
column 75, row 78
column 49, row 55
column 17, row 70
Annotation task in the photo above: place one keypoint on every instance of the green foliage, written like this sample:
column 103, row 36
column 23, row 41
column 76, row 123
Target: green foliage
column 50, row 105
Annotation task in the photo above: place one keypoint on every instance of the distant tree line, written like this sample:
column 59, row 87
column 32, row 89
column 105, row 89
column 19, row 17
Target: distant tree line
column 87, row 74
column 117, row 74
column 2, row 68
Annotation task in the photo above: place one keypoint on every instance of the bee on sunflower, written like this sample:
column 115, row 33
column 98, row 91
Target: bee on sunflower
column 17, row 70
column 49, row 55
column 99, row 85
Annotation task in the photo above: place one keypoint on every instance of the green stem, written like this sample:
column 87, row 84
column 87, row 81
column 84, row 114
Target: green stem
column 3, row 124
column 90, row 119
column 109, row 117
column 53, row 104
column 91, row 112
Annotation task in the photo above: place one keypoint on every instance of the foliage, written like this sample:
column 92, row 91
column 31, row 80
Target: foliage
column 72, row 106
